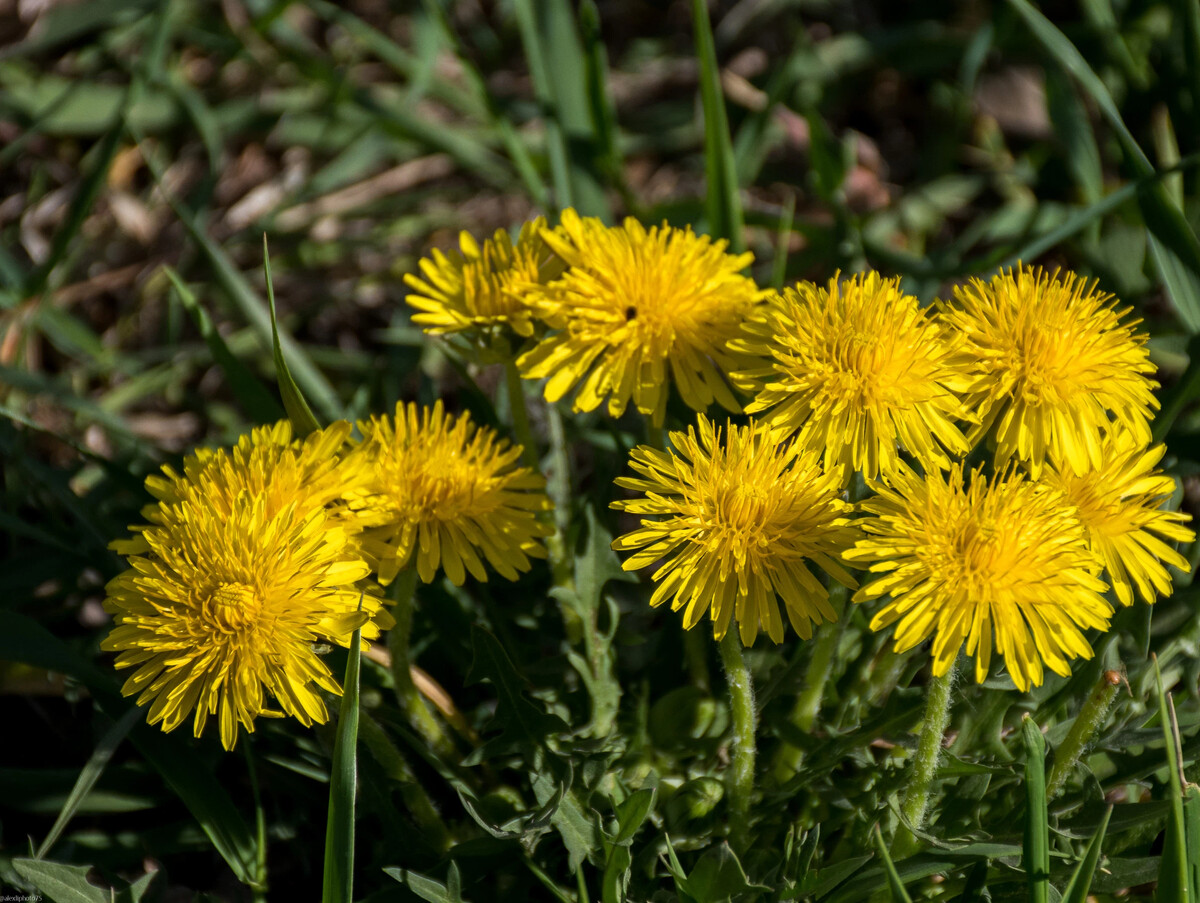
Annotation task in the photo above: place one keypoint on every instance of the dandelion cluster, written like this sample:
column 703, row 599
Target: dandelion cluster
column 1001, row 438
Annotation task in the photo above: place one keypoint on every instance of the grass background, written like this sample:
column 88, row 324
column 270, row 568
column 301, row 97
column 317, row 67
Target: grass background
column 933, row 140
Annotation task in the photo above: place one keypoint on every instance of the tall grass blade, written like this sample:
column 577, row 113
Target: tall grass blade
column 895, row 885
column 1080, row 885
column 250, row 393
column 1174, row 872
column 89, row 776
column 1036, row 855
column 1178, row 245
column 724, row 206
column 298, row 411
column 339, row 831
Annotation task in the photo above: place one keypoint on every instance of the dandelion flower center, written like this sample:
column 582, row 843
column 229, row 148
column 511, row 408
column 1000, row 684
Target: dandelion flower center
column 234, row 607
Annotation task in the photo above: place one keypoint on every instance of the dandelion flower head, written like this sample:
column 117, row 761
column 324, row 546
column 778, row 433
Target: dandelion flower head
column 482, row 285
column 231, row 583
column 1120, row 504
column 1057, row 363
column 858, row 370
column 449, row 492
column 738, row 518
column 998, row 565
column 635, row 308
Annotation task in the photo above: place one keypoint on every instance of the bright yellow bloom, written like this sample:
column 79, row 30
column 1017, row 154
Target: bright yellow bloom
column 240, row 571
column 449, row 490
column 1001, row 564
column 1120, row 503
column 859, row 371
column 738, row 517
column 636, row 309
column 1057, row 360
column 482, row 286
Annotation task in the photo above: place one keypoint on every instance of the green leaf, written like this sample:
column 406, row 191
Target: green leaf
column 1080, row 885
column 523, row 723
column 301, row 415
column 632, row 813
column 899, row 894
column 89, row 776
column 250, row 393
column 1180, row 395
column 614, row 885
column 61, row 883
column 427, row 888
column 1036, row 852
column 724, row 205
column 570, row 818
column 719, row 876
column 23, row 640
column 338, row 884
column 63, row 24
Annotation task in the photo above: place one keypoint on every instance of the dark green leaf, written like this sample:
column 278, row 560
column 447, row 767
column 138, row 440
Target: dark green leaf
column 338, row 884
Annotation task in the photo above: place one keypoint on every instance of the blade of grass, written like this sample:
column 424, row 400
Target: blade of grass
column 1080, row 885
column 899, row 894
column 600, row 108
column 250, row 393
column 782, row 241
column 1036, row 854
column 338, row 884
column 1174, row 873
column 1180, row 395
column 301, row 415
column 724, row 206
column 89, row 776
column 1166, row 222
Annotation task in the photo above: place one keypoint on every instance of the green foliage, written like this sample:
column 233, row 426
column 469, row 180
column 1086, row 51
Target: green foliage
column 149, row 148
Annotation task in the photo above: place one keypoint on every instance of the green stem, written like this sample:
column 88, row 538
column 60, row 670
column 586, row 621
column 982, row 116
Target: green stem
column 259, row 888
column 396, row 767
column 520, row 413
column 740, row 786
column 423, row 721
column 1083, row 729
column 925, row 762
column 558, row 485
column 829, row 636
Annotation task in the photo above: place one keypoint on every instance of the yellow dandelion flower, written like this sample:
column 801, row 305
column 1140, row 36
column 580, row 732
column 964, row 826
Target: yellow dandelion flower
column 858, row 370
column 1001, row 565
column 232, row 583
column 1057, row 361
column 450, row 491
column 482, row 285
column 738, row 518
column 635, row 307
column 1120, row 502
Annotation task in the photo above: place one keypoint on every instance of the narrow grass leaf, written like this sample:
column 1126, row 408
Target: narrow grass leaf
column 338, row 885
column 1174, row 873
column 899, row 894
column 604, row 118
column 304, row 421
column 1036, row 853
column 255, row 400
column 724, row 206
column 1080, row 885
column 89, row 776
column 1180, row 395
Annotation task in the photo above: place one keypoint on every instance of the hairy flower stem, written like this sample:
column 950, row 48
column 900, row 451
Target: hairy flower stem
column 740, row 785
column 419, row 805
column 258, row 888
column 1083, row 729
column 520, row 413
column 925, row 762
column 423, row 721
